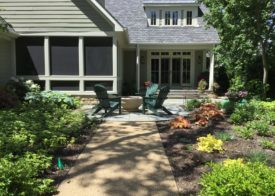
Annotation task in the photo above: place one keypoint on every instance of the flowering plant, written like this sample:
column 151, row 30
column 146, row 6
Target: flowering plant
column 236, row 96
column 147, row 84
column 209, row 144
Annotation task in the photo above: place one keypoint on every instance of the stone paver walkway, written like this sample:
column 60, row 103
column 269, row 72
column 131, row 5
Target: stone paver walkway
column 123, row 158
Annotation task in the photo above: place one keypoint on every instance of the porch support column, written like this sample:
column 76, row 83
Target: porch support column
column 138, row 68
column 211, row 71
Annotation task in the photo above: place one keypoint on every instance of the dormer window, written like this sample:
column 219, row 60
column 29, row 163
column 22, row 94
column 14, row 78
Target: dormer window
column 189, row 18
column 175, row 17
column 153, row 18
column 171, row 16
column 167, row 17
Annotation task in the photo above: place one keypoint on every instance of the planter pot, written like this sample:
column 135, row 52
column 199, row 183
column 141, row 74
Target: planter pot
column 131, row 103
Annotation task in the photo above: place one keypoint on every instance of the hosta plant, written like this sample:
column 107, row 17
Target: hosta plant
column 209, row 144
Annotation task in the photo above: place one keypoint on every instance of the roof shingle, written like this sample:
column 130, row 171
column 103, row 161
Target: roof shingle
column 131, row 14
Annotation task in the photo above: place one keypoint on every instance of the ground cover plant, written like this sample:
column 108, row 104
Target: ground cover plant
column 204, row 156
column 32, row 134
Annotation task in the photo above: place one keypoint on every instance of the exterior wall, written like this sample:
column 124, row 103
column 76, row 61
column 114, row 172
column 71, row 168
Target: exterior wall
column 5, row 60
column 38, row 16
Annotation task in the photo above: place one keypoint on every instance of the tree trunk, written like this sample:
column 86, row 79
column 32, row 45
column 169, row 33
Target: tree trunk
column 265, row 68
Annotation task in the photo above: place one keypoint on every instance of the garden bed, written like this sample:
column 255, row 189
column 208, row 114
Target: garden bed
column 188, row 164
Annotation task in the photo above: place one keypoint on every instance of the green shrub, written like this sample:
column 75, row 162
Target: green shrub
column 8, row 99
column 270, row 117
column 51, row 97
column 258, row 156
column 261, row 127
column 243, row 113
column 20, row 175
column 47, row 127
column 21, row 87
column 192, row 104
column 224, row 136
column 267, row 144
column 238, row 179
column 245, row 132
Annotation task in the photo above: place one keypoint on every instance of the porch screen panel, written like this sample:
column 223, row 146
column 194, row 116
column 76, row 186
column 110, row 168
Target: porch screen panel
column 64, row 56
column 176, row 71
column 65, row 85
column 165, row 71
column 186, row 74
column 30, row 56
column 89, row 85
column 155, row 70
column 98, row 56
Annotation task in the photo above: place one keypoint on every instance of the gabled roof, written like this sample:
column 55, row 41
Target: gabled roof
column 131, row 14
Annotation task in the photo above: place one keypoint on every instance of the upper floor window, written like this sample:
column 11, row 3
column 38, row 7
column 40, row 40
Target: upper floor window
column 153, row 18
column 189, row 18
column 167, row 17
column 175, row 17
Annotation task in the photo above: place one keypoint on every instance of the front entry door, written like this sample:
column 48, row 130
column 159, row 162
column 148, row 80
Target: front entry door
column 174, row 71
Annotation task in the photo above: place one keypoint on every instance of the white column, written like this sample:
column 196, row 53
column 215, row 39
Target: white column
column 211, row 71
column 115, row 52
column 81, row 63
column 138, row 68
column 47, row 62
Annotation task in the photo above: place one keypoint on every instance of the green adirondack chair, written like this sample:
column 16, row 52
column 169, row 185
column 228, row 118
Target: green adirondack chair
column 106, row 103
column 149, row 91
column 155, row 102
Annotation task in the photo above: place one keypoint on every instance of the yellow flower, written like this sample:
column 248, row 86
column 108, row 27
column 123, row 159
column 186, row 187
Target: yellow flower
column 209, row 144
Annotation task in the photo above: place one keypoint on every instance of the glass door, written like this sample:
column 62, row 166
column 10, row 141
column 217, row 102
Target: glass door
column 165, row 70
column 155, row 70
column 186, row 72
column 176, row 72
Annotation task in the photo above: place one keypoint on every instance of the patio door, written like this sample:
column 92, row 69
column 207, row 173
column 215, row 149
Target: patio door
column 172, row 70
column 186, row 71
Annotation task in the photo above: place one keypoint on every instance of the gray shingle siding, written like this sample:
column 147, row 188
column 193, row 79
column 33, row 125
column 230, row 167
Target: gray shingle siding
column 168, row 1
column 131, row 14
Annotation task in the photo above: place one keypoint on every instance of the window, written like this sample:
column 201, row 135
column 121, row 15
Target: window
column 189, row 18
column 30, row 56
column 153, row 18
column 175, row 17
column 64, row 56
column 98, row 53
column 89, row 85
column 65, row 85
column 167, row 17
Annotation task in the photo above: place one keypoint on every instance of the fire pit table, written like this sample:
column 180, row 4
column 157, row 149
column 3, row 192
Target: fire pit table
column 131, row 103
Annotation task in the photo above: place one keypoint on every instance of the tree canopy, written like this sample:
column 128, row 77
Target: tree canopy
column 247, row 31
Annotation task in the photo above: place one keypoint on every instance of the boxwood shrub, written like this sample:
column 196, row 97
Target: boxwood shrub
column 238, row 179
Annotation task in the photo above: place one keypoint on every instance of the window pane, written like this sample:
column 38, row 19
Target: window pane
column 189, row 18
column 30, row 56
column 176, row 71
column 175, row 18
column 186, row 79
column 98, row 56
column 167, row 17
column 165, row 71
column 155, row 70
column 64, row 55
column 153, row 18
column 65, row 85
column 89, row 85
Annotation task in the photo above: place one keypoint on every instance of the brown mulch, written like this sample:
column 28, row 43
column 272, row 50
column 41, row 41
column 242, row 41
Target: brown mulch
column 188, row 164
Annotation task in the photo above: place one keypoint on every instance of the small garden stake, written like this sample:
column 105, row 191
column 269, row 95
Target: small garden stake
column 60, row 164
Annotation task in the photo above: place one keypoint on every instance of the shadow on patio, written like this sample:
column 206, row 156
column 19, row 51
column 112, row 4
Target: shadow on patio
column 124, row 158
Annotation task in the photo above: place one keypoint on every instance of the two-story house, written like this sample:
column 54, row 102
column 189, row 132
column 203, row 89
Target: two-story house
column 70, row 45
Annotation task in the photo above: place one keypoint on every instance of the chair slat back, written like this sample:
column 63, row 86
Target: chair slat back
column 102, row 95
column 151, row 90
column 162, row 96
